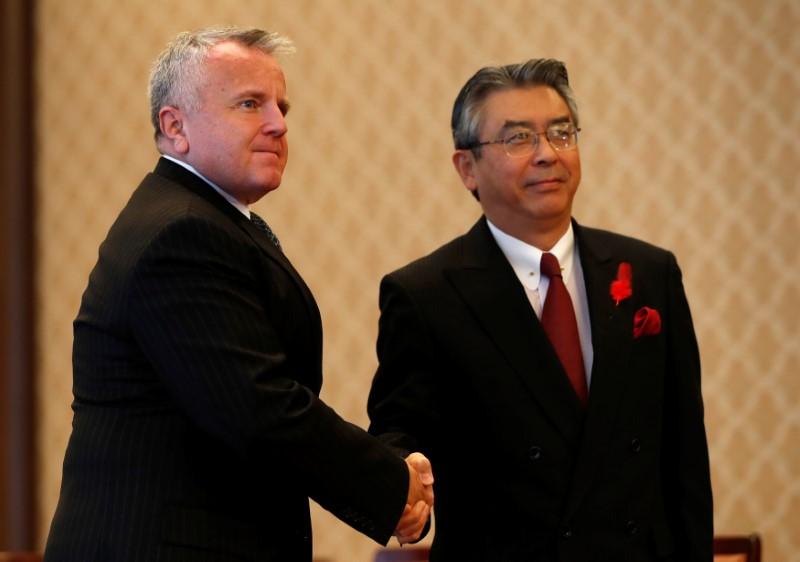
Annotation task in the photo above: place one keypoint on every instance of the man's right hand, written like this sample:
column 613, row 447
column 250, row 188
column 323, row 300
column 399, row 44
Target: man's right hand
column 420, row 499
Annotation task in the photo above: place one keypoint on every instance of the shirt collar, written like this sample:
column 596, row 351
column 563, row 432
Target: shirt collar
column 525, row 258
column 228, row 197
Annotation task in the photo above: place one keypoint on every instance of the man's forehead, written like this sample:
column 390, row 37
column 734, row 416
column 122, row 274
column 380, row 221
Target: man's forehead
column 237, row 65
column 524, row 105
column 232, row 52
column 530, row 98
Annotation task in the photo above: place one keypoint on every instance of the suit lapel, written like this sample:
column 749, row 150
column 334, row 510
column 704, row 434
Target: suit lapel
column 272, row 252
column 199, row 187
column 611, row 342
column 491, row 290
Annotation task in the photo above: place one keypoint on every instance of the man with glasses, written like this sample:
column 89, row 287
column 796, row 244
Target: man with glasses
column 557, row 361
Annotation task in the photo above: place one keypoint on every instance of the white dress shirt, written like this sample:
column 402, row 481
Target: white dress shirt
column 525, row 260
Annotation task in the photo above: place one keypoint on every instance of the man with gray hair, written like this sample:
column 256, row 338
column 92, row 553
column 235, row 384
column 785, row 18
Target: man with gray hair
column 562, row 356
column 198, row 433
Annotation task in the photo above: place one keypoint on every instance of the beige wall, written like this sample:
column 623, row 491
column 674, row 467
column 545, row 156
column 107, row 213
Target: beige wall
column 691, row 123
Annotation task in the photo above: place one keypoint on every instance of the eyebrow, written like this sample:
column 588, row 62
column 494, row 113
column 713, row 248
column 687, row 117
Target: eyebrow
column 509, row 124
column 249, row 93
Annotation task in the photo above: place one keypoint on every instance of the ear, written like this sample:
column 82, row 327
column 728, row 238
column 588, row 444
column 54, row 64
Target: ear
column 464, row 162
column 171, row 122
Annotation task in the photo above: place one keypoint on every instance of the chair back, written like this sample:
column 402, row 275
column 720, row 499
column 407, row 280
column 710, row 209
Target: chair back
column 737, row 548
column 405, row 554
column 20, row 557
column 727, row 548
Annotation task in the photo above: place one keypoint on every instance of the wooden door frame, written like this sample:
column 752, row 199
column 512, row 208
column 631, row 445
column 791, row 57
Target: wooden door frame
column 17, row 263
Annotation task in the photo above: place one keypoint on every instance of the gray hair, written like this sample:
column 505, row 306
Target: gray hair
column 468, row 108
column 177, row 70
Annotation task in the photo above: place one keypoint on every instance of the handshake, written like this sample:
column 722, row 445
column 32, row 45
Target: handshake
column 420, row 499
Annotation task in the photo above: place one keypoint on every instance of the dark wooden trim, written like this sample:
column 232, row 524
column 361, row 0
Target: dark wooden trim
column 17, row 398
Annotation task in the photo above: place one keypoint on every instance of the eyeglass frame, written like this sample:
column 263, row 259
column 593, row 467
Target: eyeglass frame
column 533, row 145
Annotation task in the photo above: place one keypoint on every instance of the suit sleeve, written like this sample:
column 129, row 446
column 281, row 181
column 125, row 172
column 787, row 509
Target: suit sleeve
column 199, row 314
column 402, row 403
column 685, row 464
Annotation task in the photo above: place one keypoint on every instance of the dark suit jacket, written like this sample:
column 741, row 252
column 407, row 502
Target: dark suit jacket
column 197, row 431
column 468, row 376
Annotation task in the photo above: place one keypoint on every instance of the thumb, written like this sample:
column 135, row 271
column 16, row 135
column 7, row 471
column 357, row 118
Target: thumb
column 423, row 467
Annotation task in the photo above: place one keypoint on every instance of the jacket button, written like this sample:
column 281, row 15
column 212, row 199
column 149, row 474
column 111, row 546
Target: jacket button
column 535, row 453
column 631, row 528
column 566, row 533
column 636, row 445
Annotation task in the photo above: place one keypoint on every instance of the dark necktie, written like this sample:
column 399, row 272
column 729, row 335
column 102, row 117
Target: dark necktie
column 262, row 225
column 558, row 320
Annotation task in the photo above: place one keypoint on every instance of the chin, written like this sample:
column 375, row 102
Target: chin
column 267, row 182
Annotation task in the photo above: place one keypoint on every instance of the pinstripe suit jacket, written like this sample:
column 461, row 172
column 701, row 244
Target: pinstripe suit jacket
column 468, row 376
column 197, row 430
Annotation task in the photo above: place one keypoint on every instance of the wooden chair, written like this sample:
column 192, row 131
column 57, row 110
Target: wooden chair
column 727, row 548
column 737, row 548
column 20, row 557
column 405, row 554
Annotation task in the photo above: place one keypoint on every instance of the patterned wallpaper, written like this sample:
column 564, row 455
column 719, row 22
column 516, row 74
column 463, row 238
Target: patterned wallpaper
column 691, row 125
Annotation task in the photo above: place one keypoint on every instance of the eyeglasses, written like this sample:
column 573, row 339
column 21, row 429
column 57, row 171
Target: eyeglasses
column 523, row 142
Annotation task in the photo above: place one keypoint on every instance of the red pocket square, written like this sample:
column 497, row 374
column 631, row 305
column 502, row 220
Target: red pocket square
column 646, row 322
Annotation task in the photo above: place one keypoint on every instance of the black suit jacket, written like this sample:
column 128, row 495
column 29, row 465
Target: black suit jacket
column 468, row 376
column 197, row 430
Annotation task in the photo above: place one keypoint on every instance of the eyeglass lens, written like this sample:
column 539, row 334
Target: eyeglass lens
column 561, row 136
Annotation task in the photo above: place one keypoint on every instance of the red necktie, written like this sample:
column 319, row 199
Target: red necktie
column 558, row 320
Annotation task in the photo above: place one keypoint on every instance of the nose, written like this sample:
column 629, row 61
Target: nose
column 274, row 121
column 543, row 153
